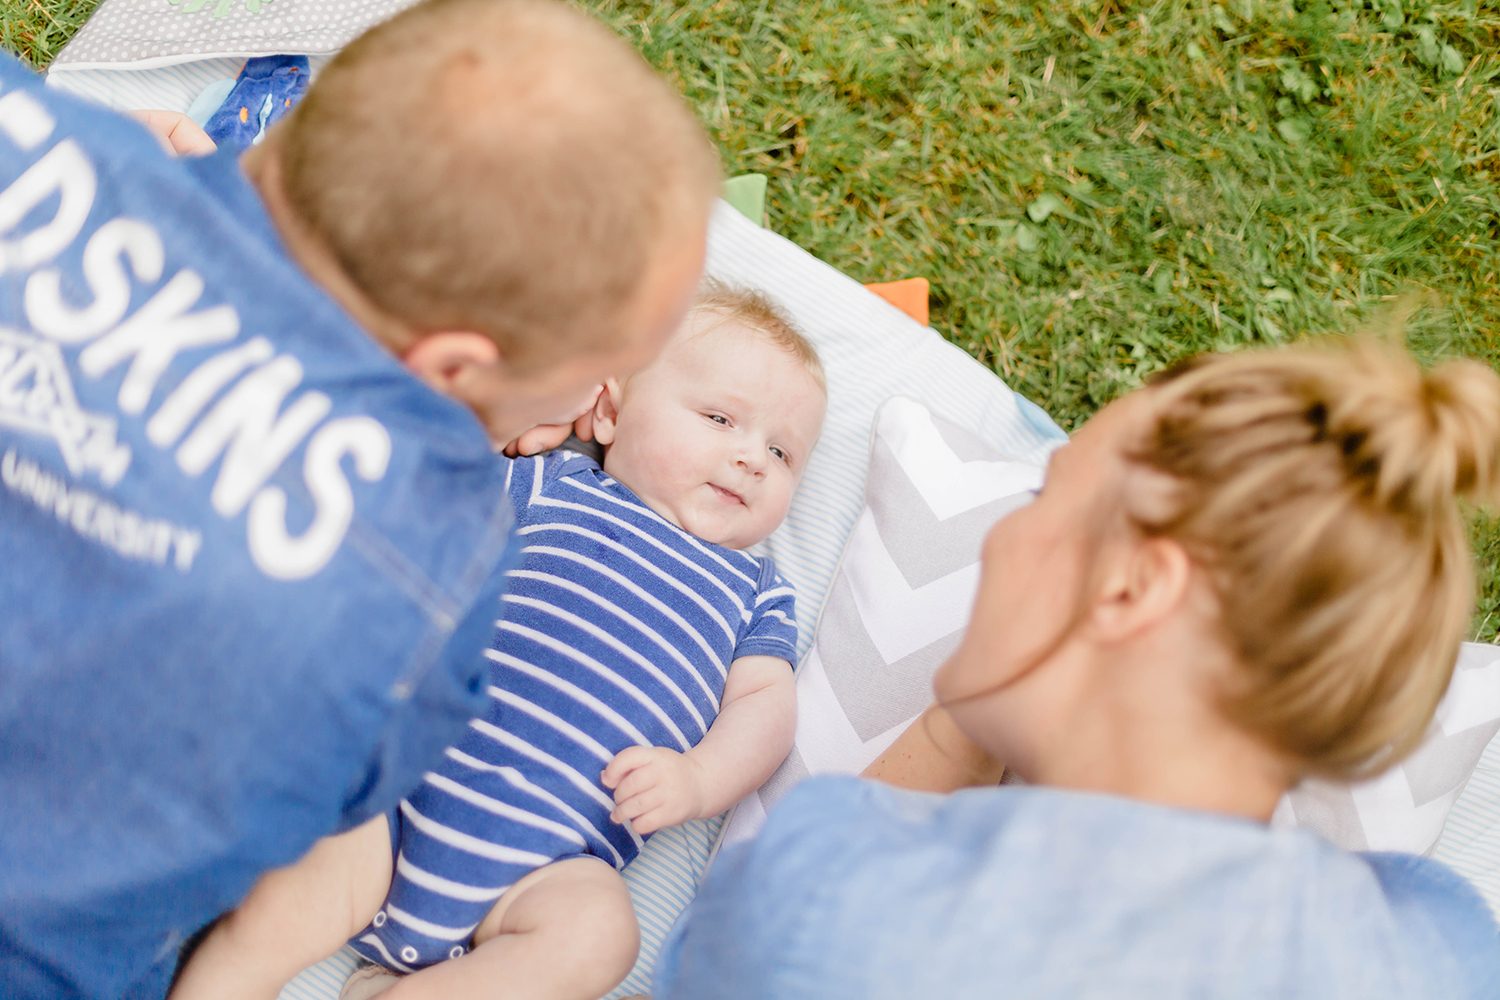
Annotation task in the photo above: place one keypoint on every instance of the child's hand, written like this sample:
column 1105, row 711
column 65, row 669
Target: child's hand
column 654, row 788
column 178, row 134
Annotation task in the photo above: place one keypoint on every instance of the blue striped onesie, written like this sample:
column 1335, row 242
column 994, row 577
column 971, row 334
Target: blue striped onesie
column 617, row 629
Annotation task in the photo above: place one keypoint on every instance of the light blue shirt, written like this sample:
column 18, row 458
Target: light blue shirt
column 857, row 890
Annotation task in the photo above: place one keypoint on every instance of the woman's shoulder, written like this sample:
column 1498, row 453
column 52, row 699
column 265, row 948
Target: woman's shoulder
column 1122, row 884
column 985, row 817
column 889, row 819
column 1441, row 913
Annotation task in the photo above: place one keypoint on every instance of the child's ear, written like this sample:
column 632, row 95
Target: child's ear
column 607, row 413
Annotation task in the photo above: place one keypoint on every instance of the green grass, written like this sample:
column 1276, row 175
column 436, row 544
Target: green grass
column 36, row 29
column 1099, row 188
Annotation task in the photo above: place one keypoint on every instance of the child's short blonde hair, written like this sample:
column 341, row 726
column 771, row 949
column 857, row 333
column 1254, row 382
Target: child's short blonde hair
column 752, row 309
column 1318, row 486
column 509, row 167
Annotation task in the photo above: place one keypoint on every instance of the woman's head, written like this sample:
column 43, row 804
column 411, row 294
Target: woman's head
column 1300, row 505
column 1317, row 489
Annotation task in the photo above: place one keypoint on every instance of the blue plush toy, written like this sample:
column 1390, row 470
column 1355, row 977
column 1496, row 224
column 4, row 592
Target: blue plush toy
column 265, row 91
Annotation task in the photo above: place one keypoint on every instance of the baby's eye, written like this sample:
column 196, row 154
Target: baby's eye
column 718, row 418
column 781, row 454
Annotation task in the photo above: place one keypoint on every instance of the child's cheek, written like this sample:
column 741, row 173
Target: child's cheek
column 668, row 465
column 684, row 470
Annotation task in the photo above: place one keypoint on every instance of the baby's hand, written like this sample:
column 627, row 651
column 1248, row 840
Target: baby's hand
column 178, row 134
column 654, row 788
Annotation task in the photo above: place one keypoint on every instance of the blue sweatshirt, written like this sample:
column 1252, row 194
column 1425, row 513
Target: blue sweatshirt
column 248, row 563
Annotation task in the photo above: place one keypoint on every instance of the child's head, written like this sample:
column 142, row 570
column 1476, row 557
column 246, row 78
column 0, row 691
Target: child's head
column 510, row 169
column 714, row 436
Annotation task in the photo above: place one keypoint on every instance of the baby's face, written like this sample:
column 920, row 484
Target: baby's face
column 715, row 434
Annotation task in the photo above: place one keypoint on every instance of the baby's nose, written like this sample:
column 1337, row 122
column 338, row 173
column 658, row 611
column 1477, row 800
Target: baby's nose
column 752, row 461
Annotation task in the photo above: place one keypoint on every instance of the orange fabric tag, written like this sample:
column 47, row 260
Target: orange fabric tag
column 909, row 295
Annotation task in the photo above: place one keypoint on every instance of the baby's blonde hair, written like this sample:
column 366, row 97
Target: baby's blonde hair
column 754, row 310
column 1317, row 485
column 509, row 167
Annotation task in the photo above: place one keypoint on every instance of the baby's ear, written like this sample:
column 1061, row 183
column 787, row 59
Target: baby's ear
column 607, row 413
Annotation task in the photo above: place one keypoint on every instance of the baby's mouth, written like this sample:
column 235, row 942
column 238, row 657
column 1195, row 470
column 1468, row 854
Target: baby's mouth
column 729, row 496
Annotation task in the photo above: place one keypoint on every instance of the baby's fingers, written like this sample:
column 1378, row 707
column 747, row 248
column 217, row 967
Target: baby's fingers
column 625, row 761
column 652, row 820
column 637, row 782
column 636, row 805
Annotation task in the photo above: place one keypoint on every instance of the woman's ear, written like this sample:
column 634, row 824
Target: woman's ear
column 607, row 413
column 1147, row 584
column 442, row 359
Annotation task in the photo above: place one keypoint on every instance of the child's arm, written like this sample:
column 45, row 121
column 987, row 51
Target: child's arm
column 656, row 787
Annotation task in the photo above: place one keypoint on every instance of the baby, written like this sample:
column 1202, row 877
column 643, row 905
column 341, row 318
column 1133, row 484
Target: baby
column 640, row 676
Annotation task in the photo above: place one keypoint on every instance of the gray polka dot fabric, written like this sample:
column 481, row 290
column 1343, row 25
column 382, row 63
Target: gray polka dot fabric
column 143, row 33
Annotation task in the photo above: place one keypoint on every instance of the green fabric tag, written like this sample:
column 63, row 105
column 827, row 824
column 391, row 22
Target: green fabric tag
column 747, row 193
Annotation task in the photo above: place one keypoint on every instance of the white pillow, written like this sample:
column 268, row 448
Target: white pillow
column 902, row 597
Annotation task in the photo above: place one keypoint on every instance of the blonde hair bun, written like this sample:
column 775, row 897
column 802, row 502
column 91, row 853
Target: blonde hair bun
column 1420, row 439
column 1317, row 486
